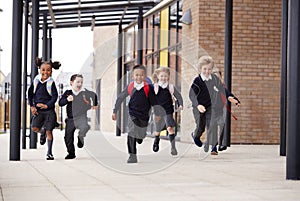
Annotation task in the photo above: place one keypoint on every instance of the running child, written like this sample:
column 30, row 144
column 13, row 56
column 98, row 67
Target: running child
column 78, row 101
column 42, row 95
column 165, row 94
column 141, row 99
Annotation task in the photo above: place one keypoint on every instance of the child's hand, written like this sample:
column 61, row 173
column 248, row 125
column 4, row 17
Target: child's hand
column 70, row 98
column 42, row 105
column 114, row 116
column 233, row 100
column 180, row 107
column 201, row 108
column 34, row 111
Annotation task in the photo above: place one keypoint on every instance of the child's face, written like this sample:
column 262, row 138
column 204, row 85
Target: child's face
column 45, row 71
column 77, row 84
column 139, row 76
column 206, row 70
column 163, row 77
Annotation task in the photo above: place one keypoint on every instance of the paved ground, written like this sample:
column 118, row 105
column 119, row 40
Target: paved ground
column 100, row 172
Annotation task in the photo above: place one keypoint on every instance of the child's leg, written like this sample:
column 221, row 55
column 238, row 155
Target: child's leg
column 69, row 136
column 50, row 143
column 170, row 123
column 50, row 117
column 200, row 120
column 81, row 123
column 158, row 127
column 131, row 144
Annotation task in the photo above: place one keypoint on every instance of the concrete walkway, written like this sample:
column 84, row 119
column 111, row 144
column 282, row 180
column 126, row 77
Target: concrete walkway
column 100, row 172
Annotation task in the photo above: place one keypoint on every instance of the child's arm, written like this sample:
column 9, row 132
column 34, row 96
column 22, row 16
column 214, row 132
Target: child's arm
column 64, row 99
column 194, row 91
column 30, row 95
column 179, row 98
column 119, row 101
column 232, row 98
column 94, row 98
column 51, row 103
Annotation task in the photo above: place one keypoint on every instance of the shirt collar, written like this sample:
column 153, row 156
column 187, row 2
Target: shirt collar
column 205, row 78
column 138, row 86
column 163, row 85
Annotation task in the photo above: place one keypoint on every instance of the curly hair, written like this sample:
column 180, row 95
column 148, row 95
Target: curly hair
column 54, row 64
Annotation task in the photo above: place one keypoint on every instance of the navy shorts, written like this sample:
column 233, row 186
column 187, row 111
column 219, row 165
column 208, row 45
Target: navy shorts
column 46, row 119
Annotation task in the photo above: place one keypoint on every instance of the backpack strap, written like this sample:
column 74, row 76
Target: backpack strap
column 131, row 86
column 146, row 89
column 48, row 84
column 171, row 89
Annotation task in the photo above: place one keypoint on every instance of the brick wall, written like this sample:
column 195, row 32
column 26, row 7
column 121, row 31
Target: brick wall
column 255, row 64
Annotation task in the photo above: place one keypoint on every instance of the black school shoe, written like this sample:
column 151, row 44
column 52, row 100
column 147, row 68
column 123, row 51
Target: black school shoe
column 197, row 141
column 139, row 141
column 43, row 137
column 50, row 157
column 156, row 144
column 132, row 158
column 80, row 142
column 70, row 156
column 222, row 148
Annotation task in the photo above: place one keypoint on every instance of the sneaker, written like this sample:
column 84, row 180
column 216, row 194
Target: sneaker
column 222, row 148
column 139, row 141
column 132, row 158
column 50, row 157
column 70, row 156
column 80, row 142
column 174, row 152
column 43, row 136
column 197, row 141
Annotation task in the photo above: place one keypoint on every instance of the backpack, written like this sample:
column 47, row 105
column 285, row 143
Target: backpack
column 146, row 88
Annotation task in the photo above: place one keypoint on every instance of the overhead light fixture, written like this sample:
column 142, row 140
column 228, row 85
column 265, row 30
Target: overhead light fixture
column 186, row 17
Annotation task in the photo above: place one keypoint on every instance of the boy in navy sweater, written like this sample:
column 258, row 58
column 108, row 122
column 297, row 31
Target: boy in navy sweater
column 78, row 102
column 42, row 95
column 206, row 95
column 141, row 99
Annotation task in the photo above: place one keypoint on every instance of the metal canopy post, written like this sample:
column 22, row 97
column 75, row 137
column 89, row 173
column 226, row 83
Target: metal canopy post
column 293, row 125
column 24, row 111
column 119, row 77
column 34, row 54
column 45, row 38
column 283, row 94
column 140, row 37
column 228, row 66
column 16, row 73
column 49, row 44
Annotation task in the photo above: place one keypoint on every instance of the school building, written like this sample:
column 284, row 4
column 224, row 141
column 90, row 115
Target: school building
column 169, row 39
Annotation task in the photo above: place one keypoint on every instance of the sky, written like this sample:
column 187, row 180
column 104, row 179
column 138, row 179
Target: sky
column 70, row 46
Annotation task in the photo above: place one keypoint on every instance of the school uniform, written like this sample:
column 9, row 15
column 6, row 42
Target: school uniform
column 164, row 95
column 207, row 92
column 142, row 98
column 77, row 115
column 43, row 92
